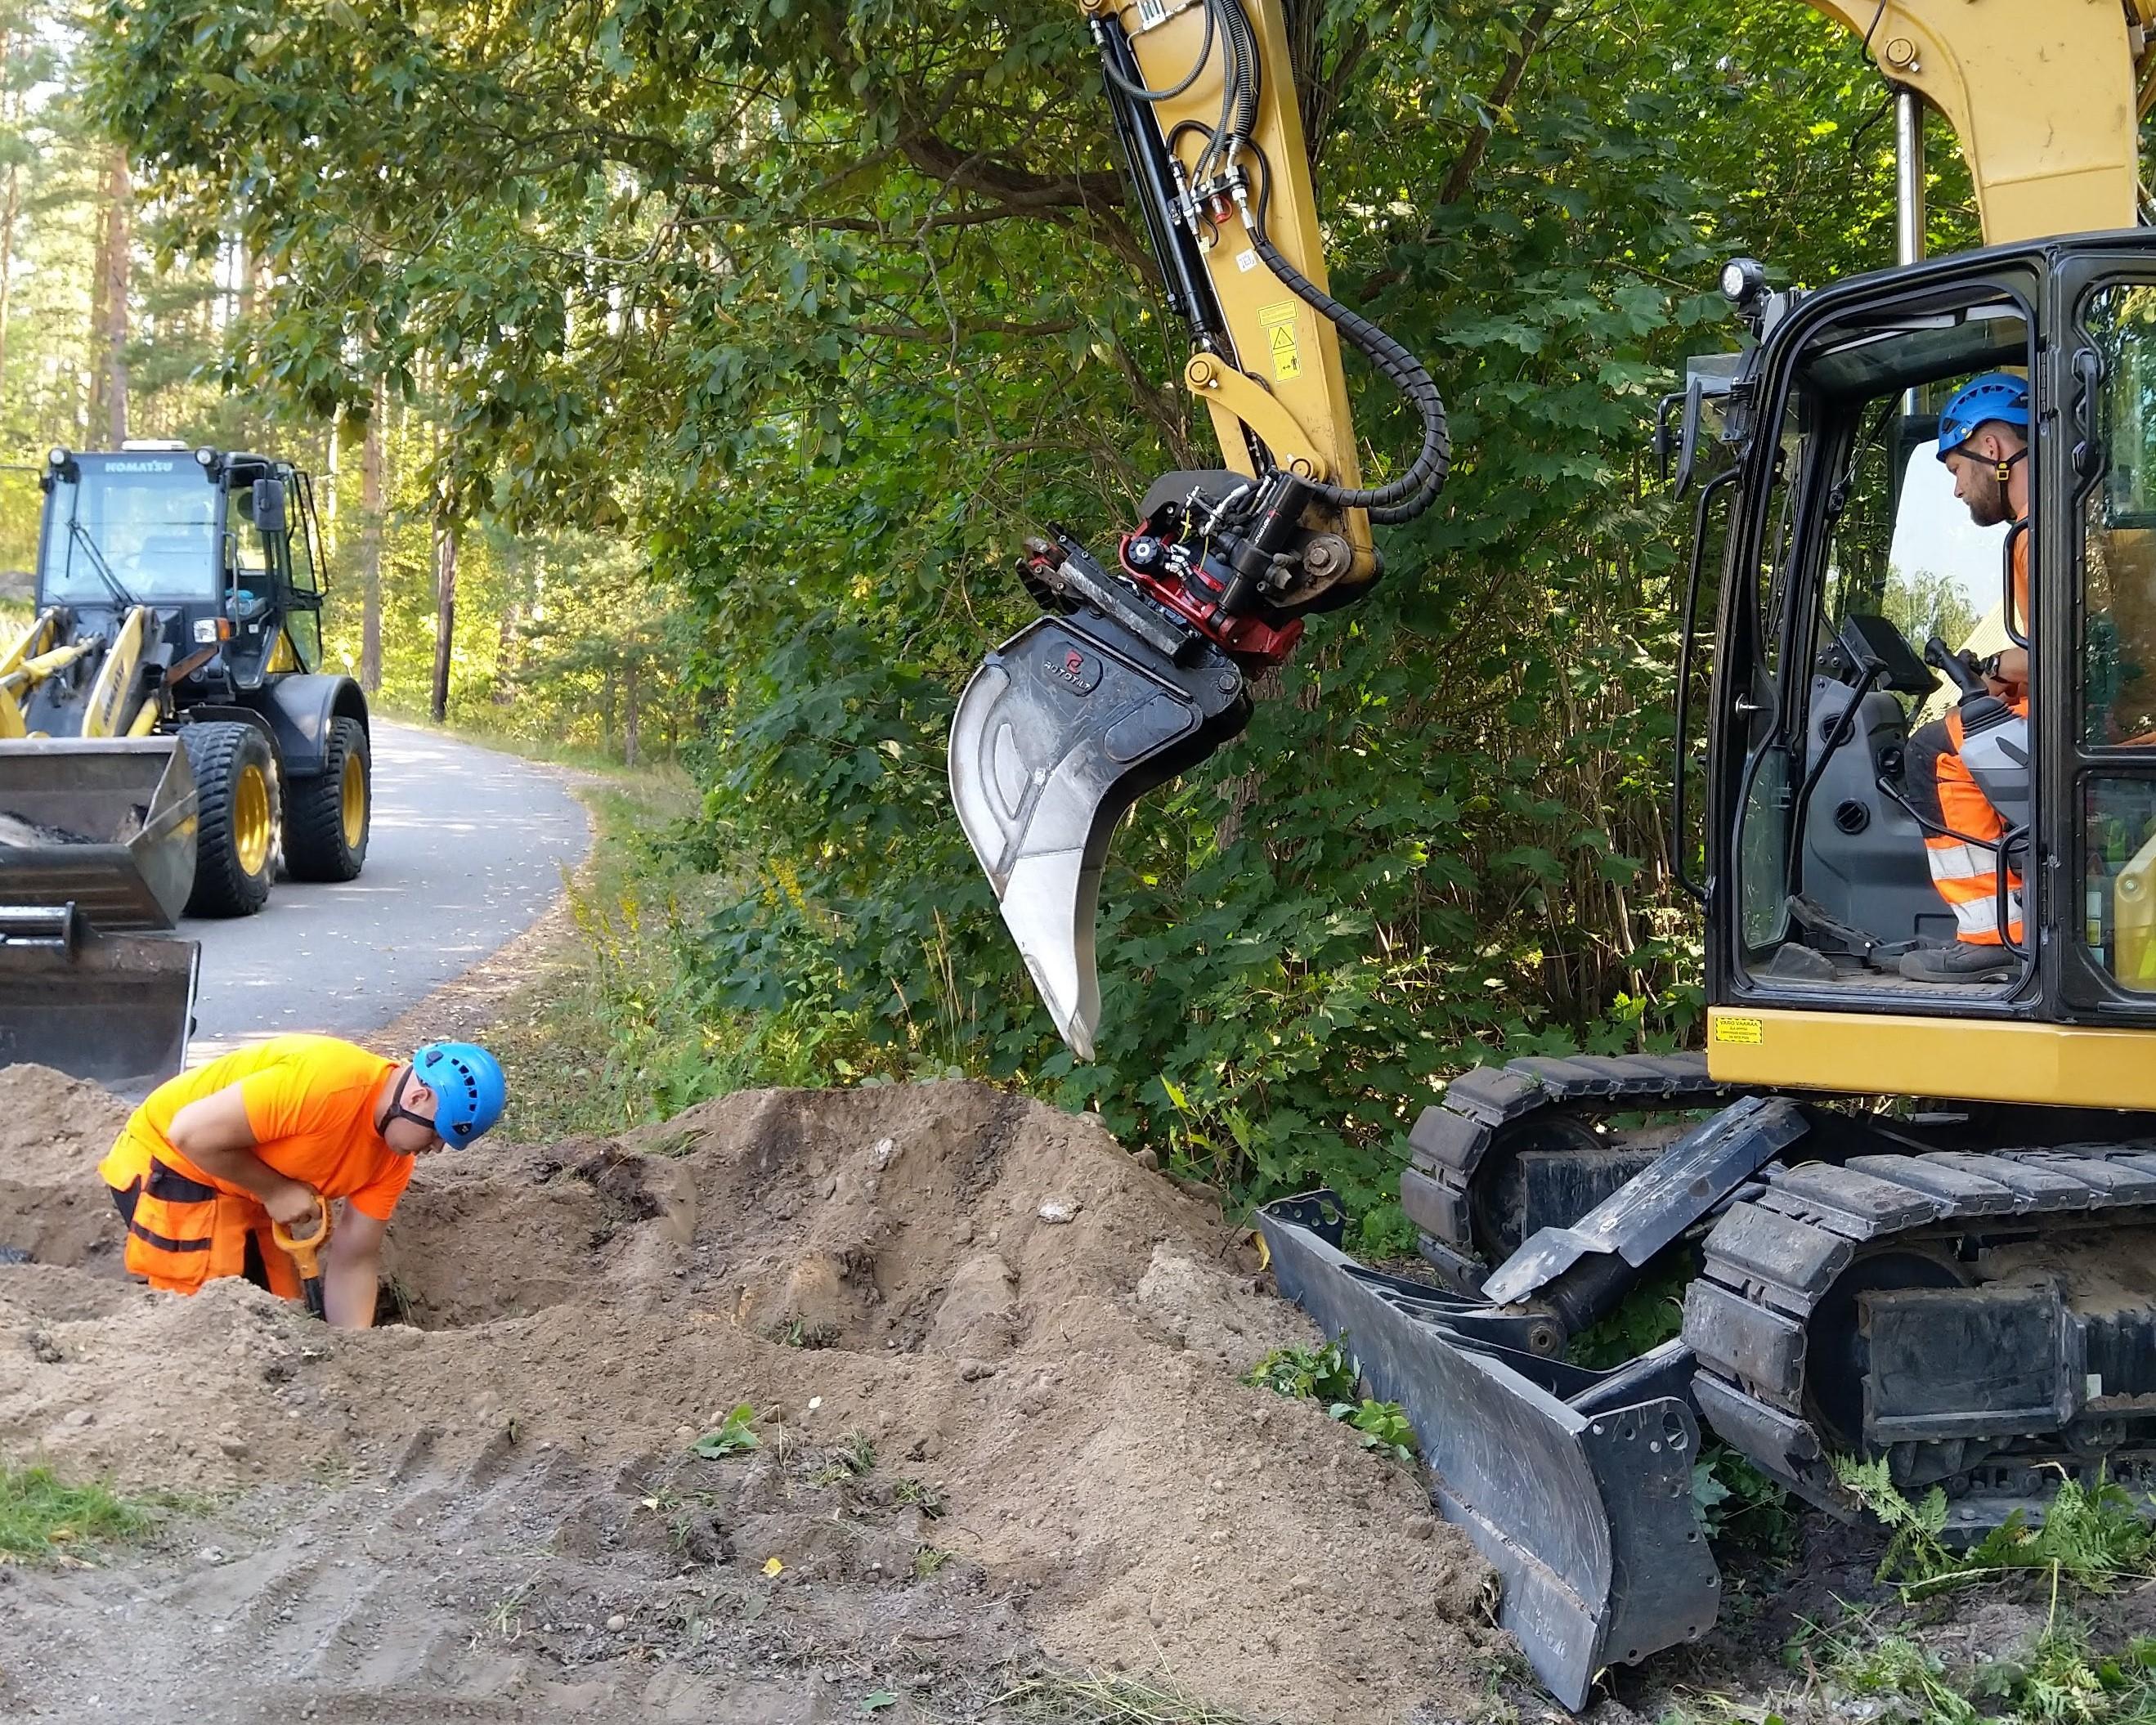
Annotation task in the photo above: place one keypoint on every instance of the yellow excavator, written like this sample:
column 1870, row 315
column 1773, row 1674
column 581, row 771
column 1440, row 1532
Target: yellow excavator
column 1914, row 1220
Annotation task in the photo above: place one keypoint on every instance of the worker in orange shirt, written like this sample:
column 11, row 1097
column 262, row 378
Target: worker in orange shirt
column 272, row 1133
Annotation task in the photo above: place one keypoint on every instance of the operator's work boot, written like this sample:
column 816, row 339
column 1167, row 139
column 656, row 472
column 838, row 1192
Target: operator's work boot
column 1961, row 962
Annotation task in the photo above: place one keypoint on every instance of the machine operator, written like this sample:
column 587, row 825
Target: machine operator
column 1983, row 440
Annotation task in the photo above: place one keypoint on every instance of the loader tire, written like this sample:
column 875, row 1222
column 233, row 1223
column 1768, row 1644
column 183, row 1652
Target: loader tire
column 237, row 813
column 328, row 816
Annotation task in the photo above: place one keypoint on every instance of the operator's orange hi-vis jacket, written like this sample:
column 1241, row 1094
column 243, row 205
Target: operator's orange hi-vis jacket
column 309, row 1101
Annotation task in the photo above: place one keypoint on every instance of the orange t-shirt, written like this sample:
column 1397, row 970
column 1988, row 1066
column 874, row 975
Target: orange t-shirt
column 311, row 1101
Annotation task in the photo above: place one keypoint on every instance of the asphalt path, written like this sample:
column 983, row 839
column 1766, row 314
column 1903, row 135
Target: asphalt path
column 469, row 847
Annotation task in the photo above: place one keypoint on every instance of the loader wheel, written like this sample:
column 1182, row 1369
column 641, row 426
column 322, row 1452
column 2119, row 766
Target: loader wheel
column 326, row 824
column 237, row 809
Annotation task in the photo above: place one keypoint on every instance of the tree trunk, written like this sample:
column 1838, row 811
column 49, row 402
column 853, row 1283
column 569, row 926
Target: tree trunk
column 629, row 713
column 508, row 656
column 11, row 206
column 117, row 249
column 446, row 611
column 606, row 712
column 370, row 544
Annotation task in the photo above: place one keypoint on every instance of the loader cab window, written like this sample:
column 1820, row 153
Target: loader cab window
column 2115, row 651
column 145, row 525
column 1865, row 556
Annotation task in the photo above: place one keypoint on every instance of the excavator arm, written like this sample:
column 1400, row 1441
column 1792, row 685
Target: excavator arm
column 1138, row 670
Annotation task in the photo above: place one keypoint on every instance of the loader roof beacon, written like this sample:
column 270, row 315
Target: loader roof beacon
column 1934, row 1286
column 168, row 739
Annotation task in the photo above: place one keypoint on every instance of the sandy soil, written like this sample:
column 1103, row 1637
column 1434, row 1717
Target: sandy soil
column 991, row 1443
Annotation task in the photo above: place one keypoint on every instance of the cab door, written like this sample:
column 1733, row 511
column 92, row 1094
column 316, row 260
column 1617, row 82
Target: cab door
column 2097, row 622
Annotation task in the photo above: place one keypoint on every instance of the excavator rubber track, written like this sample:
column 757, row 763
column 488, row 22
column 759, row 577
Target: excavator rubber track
column 1511, row 1148
column 1982, row 1318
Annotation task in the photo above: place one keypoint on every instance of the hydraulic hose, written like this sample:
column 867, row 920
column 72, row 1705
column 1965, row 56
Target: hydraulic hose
column 1137, row 90
column 1406, row 497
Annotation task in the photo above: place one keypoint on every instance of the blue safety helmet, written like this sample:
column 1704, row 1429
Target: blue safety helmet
column 1996, row 395
column 469, row 1088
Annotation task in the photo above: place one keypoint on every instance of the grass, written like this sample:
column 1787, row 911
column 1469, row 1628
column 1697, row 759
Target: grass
column 1092, row 1700
column 1886, row 1663
column 42, row 1518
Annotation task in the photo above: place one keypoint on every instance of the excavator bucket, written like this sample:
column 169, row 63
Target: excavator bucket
column 106, row 825
column 1575, row 1484
column 1062, row 728
column 114, row 1008
column 97, row 839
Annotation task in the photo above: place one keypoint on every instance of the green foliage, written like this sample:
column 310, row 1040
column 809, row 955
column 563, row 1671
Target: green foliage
column 1326, row 1375
column 733, row 1436
column 1740, row 1506
column 2091, row 1536
column 42, row 1516
column 1322, row 1374
column 1384, row 1426
column 2060, row 1679
column 770, row 333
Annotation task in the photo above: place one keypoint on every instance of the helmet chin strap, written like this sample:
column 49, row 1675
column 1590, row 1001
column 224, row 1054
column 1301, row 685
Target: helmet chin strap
column 397, row 1111
column 2005, row 465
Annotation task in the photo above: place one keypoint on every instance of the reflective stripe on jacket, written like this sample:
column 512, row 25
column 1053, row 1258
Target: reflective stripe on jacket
column 181, row 1232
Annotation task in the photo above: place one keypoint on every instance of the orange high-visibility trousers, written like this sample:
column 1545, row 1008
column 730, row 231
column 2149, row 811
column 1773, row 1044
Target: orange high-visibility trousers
column 182, row 1232
column 1964, row 857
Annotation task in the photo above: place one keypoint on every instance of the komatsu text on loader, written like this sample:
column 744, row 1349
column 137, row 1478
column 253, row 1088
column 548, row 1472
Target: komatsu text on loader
column 166, row 738
column 1919, row 1222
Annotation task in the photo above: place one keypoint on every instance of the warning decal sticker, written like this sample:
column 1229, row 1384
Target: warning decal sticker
column 1278, row 322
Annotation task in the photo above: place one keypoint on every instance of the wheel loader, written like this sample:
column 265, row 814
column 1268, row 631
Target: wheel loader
column 168, row 741
column 1914, row 1220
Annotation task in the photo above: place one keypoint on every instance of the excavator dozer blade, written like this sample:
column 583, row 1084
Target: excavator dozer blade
column 1062, row 728
column 114, row 1008
column 1575, row 1484
column 107, row 825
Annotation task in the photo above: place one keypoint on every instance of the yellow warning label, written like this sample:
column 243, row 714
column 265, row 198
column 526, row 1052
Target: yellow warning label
column 1729, row 1030
column 1278, row 322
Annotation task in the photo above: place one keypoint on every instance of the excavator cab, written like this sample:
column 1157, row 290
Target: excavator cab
column 1847, row 568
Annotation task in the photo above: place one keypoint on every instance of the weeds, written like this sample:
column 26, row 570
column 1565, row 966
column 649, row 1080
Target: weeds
column 1304, row 1373
column 930, row 1560
column 1110, row 1701
column 1738, row 1504
column 2058, row 1680
column 855, row 1458
column 1326, row 1375
column 2091, row 1536
column 921, row 1495
column 41, row 1516
column 733, row 1436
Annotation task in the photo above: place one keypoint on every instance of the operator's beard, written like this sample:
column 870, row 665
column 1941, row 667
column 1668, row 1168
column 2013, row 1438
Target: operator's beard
column 1989, row 507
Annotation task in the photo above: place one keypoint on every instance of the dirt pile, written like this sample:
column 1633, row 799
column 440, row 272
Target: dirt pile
column 993, row 1362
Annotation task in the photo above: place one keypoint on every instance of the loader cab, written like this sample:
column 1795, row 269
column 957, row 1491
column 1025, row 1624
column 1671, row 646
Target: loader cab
column 1842, row 551
column 224, row 546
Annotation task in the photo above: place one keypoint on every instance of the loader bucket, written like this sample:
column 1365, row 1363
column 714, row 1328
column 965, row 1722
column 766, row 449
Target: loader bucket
column 105, row 825
column 1575, row 1484
column 1062, row 728
column 116, row 1009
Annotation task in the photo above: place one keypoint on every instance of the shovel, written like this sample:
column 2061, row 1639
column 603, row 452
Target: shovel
column 305, row 1250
